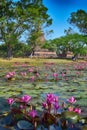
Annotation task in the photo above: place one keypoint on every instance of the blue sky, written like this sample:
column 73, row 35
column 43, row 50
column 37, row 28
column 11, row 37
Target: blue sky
column 60, row 11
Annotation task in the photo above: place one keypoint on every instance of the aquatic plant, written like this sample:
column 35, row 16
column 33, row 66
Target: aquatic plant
column 54, row 115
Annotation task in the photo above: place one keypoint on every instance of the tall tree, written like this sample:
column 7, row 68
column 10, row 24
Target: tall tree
column 10, row 26
column 39, row 20
column 17, row 18
column 79, row 19
column 6, row 23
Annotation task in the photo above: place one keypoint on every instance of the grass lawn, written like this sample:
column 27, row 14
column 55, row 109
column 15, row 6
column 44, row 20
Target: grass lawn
column 35, row 61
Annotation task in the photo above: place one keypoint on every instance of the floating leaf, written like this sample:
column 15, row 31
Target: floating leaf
column 74, row 117
column 6, row 121
column 23, row 124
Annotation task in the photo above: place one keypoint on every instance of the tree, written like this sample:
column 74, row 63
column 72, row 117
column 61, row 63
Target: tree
column 79, row 19
column 3, row 50
column 68, row 31
column 10, row 26
column 21, row 50
column 39, row 20
column 75, row 43
column 17, row 18
column 49, row 44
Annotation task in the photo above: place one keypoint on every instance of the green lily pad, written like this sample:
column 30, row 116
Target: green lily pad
column 25, row 125
column 74, row 117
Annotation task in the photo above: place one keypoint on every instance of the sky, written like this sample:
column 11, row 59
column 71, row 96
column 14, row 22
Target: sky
column 59, row 11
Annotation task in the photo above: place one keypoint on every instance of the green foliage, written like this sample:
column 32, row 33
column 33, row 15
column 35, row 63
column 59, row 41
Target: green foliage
column 79, row 19
column 19, row 50
column 17, row 18
column 3, row 50
column 75, row 43
column 49, row 45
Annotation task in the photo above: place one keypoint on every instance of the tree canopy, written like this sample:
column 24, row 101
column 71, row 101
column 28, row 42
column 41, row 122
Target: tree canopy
column 79, row 19
column 76, row 43
column 19, row 18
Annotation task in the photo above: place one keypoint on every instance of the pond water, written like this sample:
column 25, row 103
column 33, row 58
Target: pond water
column 64, row 80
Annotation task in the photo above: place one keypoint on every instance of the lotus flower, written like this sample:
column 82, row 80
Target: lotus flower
column 56, row 106
column 33, row 113
column 10, row 101
column 37, row 74
column 32, row 78
column 56, row 99
column 63, row 74
column 71, row 100
column 10, row 75
column 77, row 110
column 30, row 70
column 44, row 104
column 55, row 75
column 50, row 98
column 70, row 108
column 23, row 73
column 26, row 98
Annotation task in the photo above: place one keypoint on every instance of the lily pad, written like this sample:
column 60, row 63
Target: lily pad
column 25, row 125
column 6, row 121
column 74, row 117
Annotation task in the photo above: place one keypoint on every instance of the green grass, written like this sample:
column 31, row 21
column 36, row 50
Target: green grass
column 34, row 61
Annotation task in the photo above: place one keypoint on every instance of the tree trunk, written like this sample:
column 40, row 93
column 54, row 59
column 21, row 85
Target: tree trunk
column 9, row 51
column 33, row 51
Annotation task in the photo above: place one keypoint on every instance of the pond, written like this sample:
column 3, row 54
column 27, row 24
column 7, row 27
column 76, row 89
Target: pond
column 64, row 80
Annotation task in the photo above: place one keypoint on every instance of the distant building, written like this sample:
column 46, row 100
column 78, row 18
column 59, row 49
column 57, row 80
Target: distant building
column 45, row 53
column 39, row 52
column 41, row 41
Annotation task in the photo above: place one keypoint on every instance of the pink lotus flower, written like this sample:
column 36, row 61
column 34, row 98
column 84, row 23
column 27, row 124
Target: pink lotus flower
column 55, row 75
column 70, row 108
column 21, row 106
column 10, row 74
column 78, row 73
column 7, row 76
column 71, row 100
column 23, row 73
column 56, row 99
column 33, row 113
column 63, row 74
column 50, row 98
column 23, row 65
column 26, row 98
column 51, row 102
column 56, row 106
column 37, row 74
column 77, row 110
column 10, row 101
column 32, row 78
column 30, row 70
column 44, row 104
